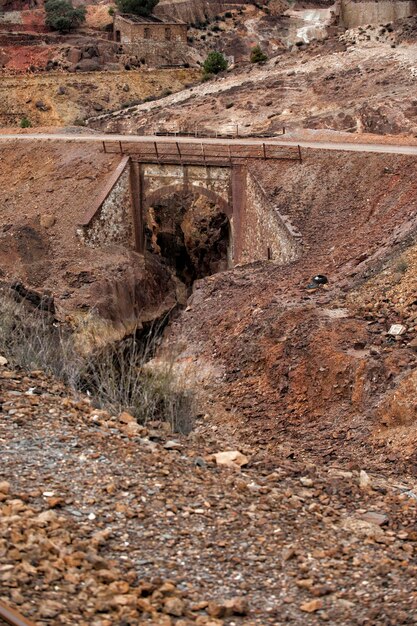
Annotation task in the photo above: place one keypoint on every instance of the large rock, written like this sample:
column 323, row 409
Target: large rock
column 231, row 458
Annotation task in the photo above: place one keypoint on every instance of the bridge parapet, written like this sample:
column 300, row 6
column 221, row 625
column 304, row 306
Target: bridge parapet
column 201, row 152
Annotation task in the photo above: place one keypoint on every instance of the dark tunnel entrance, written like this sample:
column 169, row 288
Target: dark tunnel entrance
column 191, row 233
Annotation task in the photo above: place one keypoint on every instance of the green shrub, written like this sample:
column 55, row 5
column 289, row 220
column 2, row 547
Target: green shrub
column 111, row 11
column 137, row 7
column 62, row 16
column 25, row 122
column 257, row 56
column 215, row 63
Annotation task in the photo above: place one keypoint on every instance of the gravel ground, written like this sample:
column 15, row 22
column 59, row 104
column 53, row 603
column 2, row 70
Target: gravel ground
column 105, row 522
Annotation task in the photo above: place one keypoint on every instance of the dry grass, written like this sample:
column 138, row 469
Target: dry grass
column 114, row 377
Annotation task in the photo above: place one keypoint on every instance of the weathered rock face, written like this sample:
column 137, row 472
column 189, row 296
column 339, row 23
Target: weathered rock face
column 282, row 366
column 399, row 408
column 191, row 234
column 190, row 11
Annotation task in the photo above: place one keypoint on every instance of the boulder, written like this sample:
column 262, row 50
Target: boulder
column 231, row 458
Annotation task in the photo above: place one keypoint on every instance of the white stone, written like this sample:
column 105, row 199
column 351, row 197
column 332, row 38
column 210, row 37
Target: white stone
column 397, row 329
column 231, row 458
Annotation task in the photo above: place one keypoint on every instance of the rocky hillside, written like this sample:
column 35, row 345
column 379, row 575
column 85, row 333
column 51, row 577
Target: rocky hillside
column 319, row 374
column 163, row 530
column 358, row 81
column 61, row 99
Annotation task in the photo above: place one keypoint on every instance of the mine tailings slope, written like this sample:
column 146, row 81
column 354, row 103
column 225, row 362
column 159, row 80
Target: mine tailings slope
column 316, row 374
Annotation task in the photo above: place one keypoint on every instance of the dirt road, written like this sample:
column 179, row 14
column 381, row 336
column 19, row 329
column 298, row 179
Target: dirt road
column 383, row 148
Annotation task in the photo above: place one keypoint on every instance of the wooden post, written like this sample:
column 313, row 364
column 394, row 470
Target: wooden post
column 104, row 146
column 121, row 147
column 264, row 150
column 179, row 151
column 283, row 130
column 156, row 150
column 299, row 154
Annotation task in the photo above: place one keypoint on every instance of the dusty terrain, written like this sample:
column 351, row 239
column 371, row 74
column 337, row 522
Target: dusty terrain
column 40, row 246
column 312, row 386
column 357, row 87
column 59, row 99
column 151, row 531
column 317, row 374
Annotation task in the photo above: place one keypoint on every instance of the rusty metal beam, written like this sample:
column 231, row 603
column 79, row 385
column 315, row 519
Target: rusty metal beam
column 12, row 617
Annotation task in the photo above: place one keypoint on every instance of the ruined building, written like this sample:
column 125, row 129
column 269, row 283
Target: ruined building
column 155, row 41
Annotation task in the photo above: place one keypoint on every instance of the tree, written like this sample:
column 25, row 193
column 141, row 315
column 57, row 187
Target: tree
column 257, row 56
column 62, row 16
column 137, row 7
column 214, row 63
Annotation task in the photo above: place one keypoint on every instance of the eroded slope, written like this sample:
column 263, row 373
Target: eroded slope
column 45, row 191
column 307, row 374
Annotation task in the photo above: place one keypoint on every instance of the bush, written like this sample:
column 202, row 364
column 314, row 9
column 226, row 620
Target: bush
column 214, row 63
column 62, row 16
column 111, row 11
column 257, row 56
column 117, row 377
column 137, row 7
column 25, row 123
column 28, row 339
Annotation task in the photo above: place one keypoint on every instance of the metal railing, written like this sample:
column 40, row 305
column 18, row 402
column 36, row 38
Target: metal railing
column 200, row 153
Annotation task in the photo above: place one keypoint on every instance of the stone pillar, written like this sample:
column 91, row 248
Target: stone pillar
column 238, row 209
column 136, row 189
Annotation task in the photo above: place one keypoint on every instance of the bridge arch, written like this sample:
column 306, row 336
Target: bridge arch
column 191, row 227
column 168, row 190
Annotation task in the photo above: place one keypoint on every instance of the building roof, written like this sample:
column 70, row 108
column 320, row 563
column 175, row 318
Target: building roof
column 150, row 19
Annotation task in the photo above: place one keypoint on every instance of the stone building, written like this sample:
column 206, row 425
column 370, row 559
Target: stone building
column 133, row 29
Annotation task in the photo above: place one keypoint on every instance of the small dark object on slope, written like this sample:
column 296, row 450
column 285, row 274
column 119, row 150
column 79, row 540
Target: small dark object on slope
column 319, row 280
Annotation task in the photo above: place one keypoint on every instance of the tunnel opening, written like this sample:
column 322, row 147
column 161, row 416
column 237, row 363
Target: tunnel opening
column 191, row 233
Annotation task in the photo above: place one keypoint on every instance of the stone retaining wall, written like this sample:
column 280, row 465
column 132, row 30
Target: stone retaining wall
column 354, row 14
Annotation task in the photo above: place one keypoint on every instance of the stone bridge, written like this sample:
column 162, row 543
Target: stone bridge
column 223, row 187
column 148, row 203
